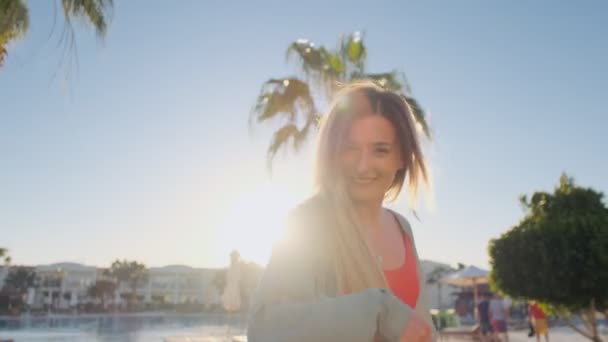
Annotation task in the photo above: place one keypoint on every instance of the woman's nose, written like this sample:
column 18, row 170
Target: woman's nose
column 363, row 163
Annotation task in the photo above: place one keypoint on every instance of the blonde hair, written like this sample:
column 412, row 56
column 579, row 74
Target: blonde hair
column 355, row 265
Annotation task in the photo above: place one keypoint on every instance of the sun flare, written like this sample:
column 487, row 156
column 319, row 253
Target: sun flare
column 254, row 220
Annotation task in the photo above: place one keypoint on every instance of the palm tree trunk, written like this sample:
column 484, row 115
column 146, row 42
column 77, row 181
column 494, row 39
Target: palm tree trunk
column 593, row 321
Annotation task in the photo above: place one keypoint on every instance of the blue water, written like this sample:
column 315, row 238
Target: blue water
column 119, row 327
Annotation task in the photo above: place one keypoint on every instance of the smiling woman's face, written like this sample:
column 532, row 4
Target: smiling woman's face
column 370, row 156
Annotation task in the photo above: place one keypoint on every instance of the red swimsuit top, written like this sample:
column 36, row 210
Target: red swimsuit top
column 403, row 281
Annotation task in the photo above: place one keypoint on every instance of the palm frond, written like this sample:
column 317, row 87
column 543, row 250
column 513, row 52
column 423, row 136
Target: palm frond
column 334, row 64
column 353, row 49
column 281, row 137
column 14, row 22
column 14, row 17
column 318, row 66
column 290, row 133
column 310, row 58
column 96, row 12
column 278, row 97
column 356, row 48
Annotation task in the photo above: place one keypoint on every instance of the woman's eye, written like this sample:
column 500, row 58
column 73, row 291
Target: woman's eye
column 382, row 151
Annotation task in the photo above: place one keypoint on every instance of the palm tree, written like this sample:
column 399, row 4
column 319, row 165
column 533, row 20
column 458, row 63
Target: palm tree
column 14, row 20
column 295, row 99
column 131, row 273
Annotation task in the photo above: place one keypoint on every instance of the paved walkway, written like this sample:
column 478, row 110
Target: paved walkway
column 558, row 334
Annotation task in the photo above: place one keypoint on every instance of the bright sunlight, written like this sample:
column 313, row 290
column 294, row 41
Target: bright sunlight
column 254, row 220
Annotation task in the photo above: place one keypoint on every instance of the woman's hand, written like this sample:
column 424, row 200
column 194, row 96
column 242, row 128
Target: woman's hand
column 417, row 330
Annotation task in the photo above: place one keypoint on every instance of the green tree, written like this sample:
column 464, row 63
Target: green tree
column 19, row 280
column 4, row 254
column 130, row 273
column 14, row 20
column 558, row 254
column 295, row 99
column 102, row 289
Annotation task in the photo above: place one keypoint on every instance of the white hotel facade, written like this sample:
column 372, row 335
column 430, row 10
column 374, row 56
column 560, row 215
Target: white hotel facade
column 64, row 285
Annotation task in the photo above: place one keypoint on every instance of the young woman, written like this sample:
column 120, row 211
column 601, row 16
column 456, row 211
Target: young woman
column 347, row 268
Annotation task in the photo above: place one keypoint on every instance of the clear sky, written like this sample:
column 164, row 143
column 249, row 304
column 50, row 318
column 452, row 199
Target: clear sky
column 146, row 154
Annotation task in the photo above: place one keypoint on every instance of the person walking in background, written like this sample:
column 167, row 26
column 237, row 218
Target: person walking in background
column 347, row 268
column 498, row 317
column 485, row 326
column 539, row 321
